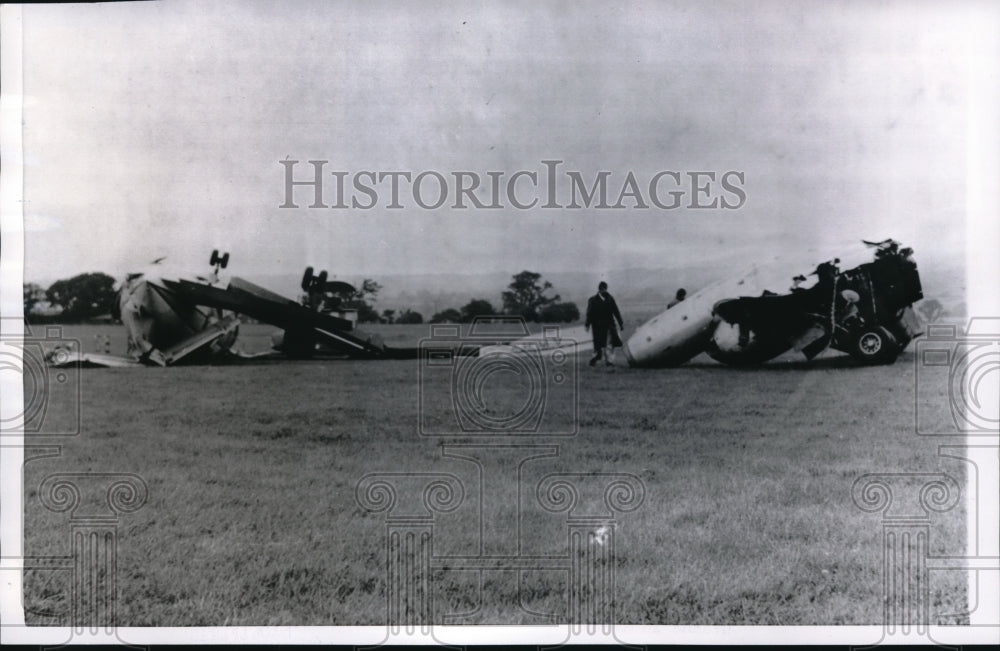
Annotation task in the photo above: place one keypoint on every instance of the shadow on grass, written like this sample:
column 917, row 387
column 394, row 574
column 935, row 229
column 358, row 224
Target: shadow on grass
column 830, row 362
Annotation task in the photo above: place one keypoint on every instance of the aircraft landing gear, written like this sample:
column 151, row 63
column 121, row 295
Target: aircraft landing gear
column 311, row 281
column 874, row 345
column 219, row 261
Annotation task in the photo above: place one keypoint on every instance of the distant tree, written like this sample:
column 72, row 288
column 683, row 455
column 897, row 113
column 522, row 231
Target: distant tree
column 33, row 295
column 560, row 313
column 410, row 317
column 525, row 296
column 932, row 310
column 477, row 307
column 83, row 296
column 451, row 315
column 388, row 316
column 369, row 289
column 361, row 299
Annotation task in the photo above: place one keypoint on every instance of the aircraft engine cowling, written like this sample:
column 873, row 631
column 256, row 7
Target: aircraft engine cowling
column 724, row 346
column 134, row 313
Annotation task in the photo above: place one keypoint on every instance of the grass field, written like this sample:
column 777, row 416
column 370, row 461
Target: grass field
column 252, row 517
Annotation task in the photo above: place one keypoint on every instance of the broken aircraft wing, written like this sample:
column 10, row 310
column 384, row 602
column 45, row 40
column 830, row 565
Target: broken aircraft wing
column 256, row 302
column 63, row 358
column 197, row 341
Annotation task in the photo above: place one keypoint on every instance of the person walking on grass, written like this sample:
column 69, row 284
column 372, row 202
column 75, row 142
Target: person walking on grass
column 602, row 312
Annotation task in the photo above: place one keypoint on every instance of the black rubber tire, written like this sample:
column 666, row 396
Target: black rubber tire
column 215, row 258
column 321, row 280
column 307, row 279
column 875, row 345
column 899, row 330
column 224, row 260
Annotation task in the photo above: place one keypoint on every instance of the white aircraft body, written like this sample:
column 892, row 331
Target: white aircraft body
column 865, row 311
column 681, row 332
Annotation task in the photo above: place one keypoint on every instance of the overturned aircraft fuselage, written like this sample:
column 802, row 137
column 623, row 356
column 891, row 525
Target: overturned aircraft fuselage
column 164, row 327
column 684, row 330
column 865, row 311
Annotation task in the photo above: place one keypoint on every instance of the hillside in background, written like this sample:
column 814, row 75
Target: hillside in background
column 640, row 292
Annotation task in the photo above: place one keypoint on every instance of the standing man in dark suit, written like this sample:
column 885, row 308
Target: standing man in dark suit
column 602, row 312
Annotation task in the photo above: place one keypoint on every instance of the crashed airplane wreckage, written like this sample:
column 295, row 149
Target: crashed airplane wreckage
column 170, row 320
column 865, row 311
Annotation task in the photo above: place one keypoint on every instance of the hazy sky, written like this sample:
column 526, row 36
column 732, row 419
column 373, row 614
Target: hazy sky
column 157, row 129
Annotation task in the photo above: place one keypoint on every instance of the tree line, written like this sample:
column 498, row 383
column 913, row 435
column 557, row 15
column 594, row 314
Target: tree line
column 92, row 295
column 82, row 297
column 525, row 297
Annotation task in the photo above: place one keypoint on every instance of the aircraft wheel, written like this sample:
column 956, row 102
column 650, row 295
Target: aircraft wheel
column 215, row 258
column 307, row 279
column 224, row 260
column 900, row 334
column 875, row 345
column 321, row 280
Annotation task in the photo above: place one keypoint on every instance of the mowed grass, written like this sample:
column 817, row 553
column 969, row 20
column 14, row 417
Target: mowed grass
column 252, row 517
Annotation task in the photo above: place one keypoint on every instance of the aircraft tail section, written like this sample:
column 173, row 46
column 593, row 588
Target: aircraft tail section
column 303, row 327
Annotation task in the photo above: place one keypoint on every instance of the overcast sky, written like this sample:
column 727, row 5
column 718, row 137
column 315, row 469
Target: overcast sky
column 157, row 129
